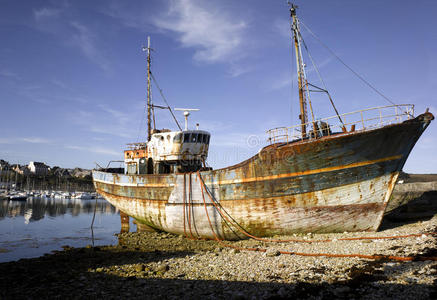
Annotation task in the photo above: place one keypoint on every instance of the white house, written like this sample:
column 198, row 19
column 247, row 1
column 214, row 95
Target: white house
column 38, row 168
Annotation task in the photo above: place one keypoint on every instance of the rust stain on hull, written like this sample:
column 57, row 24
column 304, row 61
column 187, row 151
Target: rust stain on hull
column 339, row 183
column 310, row 172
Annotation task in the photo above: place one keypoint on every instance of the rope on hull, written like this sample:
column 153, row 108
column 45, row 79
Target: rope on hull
column 362, row 256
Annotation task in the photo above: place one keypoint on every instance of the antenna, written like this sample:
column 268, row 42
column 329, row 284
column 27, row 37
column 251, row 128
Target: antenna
column 186, row 114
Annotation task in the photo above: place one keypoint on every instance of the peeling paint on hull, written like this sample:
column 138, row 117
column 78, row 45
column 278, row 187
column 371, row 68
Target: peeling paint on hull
column 333, row 184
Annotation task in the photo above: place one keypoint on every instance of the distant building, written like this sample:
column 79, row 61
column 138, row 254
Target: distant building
column 4, row 165
column 61, row 172
column 5, row 174
column 23, row 170
column 81, row 173
column 38, row 168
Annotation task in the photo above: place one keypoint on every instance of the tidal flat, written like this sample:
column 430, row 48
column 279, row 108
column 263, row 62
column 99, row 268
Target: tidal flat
column 166, row 266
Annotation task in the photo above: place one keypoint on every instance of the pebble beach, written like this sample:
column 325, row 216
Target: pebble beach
column 166, row 266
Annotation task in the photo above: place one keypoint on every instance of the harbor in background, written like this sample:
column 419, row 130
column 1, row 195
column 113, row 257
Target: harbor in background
column 38, row 226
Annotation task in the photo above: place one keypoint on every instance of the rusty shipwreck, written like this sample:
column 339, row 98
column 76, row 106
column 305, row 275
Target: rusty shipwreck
column 330, row 175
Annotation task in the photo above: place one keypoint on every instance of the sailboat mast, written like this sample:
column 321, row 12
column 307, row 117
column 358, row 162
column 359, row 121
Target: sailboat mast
column 149, row 104
column 300, row 71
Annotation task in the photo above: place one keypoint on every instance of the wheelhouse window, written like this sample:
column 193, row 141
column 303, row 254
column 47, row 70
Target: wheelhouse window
column 194, row 138
column 177, row 138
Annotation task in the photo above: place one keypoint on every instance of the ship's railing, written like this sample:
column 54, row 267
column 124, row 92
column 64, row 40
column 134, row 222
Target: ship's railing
column 136, row 146
column 360, row 120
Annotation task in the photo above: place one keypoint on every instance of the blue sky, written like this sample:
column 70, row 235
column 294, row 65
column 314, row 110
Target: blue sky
column 72, row 73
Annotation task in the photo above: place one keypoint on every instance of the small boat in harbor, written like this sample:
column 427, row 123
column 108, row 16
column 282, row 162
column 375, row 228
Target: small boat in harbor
column 328, row 175
column 82, row 196
column 18, row 196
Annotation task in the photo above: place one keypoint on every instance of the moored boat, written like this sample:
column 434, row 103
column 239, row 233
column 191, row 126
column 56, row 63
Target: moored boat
column 18, row 196
column 82, row 196
column 318, row 176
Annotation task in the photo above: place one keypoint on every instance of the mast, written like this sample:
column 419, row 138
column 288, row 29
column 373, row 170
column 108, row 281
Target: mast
column 149, row 95
column 300, row 71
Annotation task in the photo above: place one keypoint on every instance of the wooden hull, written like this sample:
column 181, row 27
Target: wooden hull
column 333, row 184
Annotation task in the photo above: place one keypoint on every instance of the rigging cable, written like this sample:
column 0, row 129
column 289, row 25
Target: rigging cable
column 350, row 69
column 153, row 110
column 163, row 98
column 321, row 79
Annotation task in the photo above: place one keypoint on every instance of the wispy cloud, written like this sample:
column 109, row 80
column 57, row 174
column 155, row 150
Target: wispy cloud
column 43, row 95
column 34, row 93
column 282, row 27
column 120, row 116
column 93, row 149
column 107, row 121
column 60, row 84
column 111, row 129
column 10, row 75
column 35, row 140
column 238, row 69
column 215, row 35
column 46, row 12
column 59, row 21
column 84, row 39
column 19, row 140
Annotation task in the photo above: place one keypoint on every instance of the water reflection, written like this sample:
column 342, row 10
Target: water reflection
column 37, row 208
column 40, row 225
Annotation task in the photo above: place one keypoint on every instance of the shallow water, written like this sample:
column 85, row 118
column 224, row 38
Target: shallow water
column 37, row 226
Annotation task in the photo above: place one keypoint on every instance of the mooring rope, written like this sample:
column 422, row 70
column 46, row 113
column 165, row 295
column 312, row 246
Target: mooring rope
column 189, row 206
column 363, row 256
column 183, row 205
column 299, row 240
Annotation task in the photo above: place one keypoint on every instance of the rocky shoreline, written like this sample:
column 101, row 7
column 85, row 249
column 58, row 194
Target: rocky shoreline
column 165, row 266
